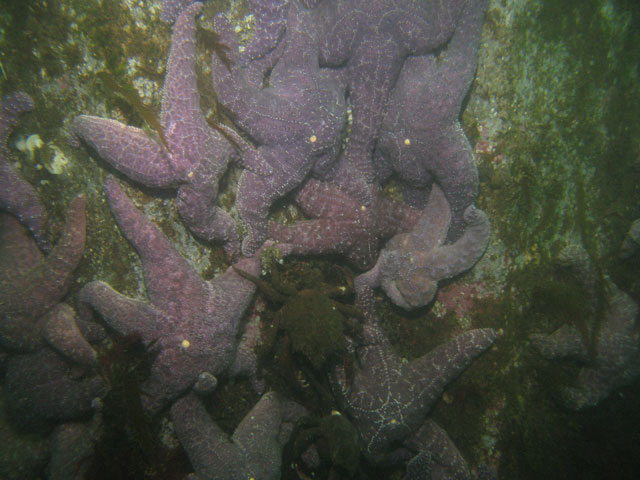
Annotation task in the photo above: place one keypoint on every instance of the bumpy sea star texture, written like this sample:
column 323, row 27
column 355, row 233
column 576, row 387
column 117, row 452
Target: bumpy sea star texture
column 193, row 324
column 195, row 155
column 388, row 399
column 421, row 138
column 72, row 448
column 54, row 382
column 342, row 224
column 16, row 195
column 438, row 457
column 270, row 17
column 615, row 359
column 411, row 264
column 171, row 9
column 296, row 121
column 372, row 38
column 32, row 284
column 253, row 451
column 43, row 386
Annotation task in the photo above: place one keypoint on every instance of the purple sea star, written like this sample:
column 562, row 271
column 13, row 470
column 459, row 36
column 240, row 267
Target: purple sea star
column 438, row 458
column 32, row 284
column 194, row 323
column 388, row 399
column 343, row 225
column 421, row 138
column 372, row 38
column 72, row 448
column 268, row 32
column 614, row 361
column 197, row 155
column 16, row 195
column 296, row 121
column 411, row 264
column 56, row 381
column 171, row 9
column 45, row 386
column 253, row 452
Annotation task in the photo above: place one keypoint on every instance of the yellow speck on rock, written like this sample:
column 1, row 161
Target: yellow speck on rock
column 407, row 142
column 186, row 343
column 313, row 139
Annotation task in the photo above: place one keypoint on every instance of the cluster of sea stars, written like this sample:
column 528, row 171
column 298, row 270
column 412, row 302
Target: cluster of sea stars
column 51, row 375
column 402, row 68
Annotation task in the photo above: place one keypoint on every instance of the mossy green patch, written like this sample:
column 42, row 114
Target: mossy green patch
column 568, row 98
column 314, row 326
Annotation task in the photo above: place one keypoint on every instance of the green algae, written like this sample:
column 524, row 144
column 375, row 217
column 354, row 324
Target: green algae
column 569, row 66
column 308, row 318
column 314, row 326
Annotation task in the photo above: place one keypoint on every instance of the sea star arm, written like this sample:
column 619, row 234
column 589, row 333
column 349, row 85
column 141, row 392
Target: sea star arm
column 191, row 140
column 452, row 161
column 460, row 59
column 172, row 285
column 446, row 462
column 257, row 193
column 324, row 200
column 269, row 30
column 566, row 342
column 129, row 150
column 16, row 195
column 366, row 282
column 60, row 329
column 450, row 260
column 118, row 310
column 249, row 157
column 210, row 450
column 20, row 199
column 447, row 361
column 232, row 83
column 196, row 205
column 453, row 167
column 354, row 169
column 318, row 236
column 11, row 107
column 171, row 9
column 42, row 386
column 253, row 452
column 613, row 361
column 432, row 227
column 258, row 435
column 37, row 290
